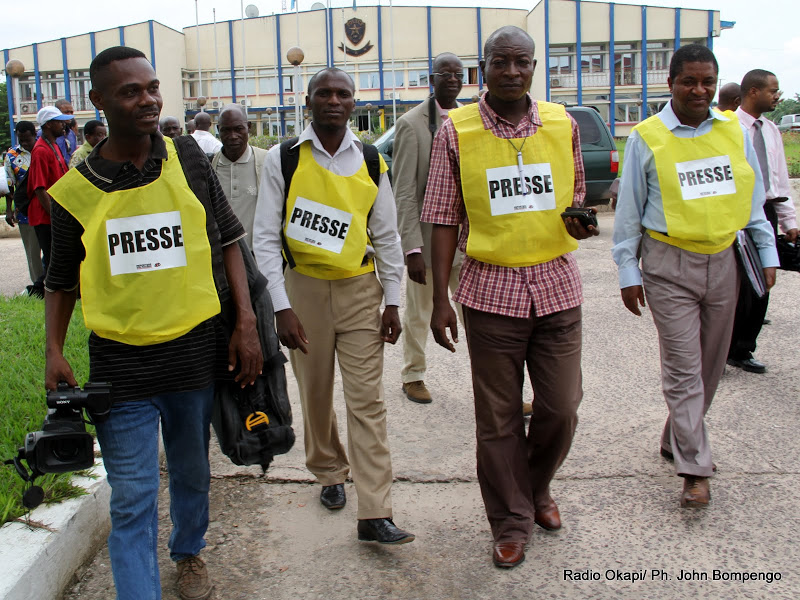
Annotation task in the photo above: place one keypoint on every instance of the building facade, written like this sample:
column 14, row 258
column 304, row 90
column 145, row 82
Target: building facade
column 612, row 56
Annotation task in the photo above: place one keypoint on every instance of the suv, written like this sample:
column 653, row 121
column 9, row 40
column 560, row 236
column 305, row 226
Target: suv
column 789, row 123
column 600, row 156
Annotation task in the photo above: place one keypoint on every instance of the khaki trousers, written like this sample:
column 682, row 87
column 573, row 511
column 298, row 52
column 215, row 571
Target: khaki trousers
column 692, row 298
column 33, row 253
column 417, row 323
column 342, row 320
column 515, row 469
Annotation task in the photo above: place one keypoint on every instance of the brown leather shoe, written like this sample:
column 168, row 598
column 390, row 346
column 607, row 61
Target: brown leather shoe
column 508, row 555
column 696, row 492
column 193, row 583
column 417, row 392
column 547, row 515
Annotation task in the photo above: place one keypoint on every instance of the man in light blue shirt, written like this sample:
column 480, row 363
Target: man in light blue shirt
column 688, row 265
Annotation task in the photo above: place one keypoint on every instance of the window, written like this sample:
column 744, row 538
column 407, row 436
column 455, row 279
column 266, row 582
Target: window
column 561, row 58
column 250, row 82
column 627, row 112
column 624, row 64
column 368, row 80
column 658, row 56
column 417, row 74
column 591, row 59
column 79, row 86
column 221, row 87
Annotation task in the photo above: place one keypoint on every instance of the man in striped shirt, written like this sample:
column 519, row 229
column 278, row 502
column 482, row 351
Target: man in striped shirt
column 504, row 170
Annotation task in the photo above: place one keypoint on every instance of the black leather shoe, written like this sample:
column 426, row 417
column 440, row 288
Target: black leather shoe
column 332, row 496
column 383, row 531
column 750, row 365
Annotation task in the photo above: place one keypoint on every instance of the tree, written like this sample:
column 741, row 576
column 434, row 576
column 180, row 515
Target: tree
column 786, row 107
column 5, row 130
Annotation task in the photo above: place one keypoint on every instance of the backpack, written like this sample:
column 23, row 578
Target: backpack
column 255, row 423
column 290, row 158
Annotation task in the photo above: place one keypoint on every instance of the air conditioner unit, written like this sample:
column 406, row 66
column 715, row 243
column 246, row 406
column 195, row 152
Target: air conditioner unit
column 215, row 104
column 28, row 107
column 393, row 95
column 246, row 102
column 555, row 83
column 289, row 99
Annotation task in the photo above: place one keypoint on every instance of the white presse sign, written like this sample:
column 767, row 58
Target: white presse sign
column 706, row 177
column 318, row 225
column 506, row 189
column 145, row 243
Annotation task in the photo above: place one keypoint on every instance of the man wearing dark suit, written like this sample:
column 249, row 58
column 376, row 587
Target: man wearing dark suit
column 411, row 160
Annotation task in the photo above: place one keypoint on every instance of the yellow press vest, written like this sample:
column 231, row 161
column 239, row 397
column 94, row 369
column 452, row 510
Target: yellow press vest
column 326, row 219
column 506, row 227
column 147, row 277
column 706, row 184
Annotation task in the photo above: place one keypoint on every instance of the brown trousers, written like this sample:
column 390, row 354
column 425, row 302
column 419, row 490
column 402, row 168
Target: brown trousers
column 342, row 321
column 515, row 469
column 692, row 298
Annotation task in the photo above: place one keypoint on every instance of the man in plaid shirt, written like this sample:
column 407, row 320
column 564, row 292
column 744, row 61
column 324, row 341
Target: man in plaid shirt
column 504, row 170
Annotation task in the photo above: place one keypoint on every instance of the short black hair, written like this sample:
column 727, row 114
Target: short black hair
column 312, row 83
column 757, row 78
column 691, row 53
column 505, row 32
column 108, row 56
column 90, row 127
column 25, row 126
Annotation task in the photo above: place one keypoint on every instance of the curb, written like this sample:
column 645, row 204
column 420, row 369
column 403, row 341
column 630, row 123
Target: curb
column 40, row 562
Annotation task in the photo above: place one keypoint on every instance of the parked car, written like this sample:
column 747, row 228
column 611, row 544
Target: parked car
column 600, row 156
column 789, row 123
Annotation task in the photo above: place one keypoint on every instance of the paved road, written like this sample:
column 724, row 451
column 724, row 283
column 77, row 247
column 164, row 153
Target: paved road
column 270, row 538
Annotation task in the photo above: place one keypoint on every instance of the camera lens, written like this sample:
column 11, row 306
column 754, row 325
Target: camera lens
column 67, row 449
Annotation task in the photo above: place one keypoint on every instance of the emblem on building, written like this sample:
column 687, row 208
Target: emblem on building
column 355, row 29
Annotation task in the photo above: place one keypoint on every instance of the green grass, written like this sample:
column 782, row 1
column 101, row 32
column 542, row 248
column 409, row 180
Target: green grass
column 791, row 145
column 22, row 394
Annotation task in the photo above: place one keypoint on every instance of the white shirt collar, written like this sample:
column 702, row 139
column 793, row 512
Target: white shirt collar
column 671, row 120
column 244, row 158
column 350, row 139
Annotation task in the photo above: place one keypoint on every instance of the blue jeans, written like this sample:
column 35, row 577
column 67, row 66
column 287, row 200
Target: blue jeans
column 129, row 442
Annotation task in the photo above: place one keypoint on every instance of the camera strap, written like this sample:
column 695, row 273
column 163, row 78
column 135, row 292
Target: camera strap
column 34, row 494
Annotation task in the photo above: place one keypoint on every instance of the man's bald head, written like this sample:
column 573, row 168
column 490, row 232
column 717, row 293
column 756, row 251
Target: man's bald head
column 443, row 59
column 730, row 96
column 506, row 34
column 202, row 121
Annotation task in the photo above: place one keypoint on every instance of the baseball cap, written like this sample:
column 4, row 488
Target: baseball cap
column 50, row 113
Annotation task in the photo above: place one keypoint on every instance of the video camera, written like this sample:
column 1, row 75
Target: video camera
column 63, row 444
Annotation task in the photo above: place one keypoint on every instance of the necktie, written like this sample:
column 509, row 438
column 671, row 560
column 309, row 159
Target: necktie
column 761, row 152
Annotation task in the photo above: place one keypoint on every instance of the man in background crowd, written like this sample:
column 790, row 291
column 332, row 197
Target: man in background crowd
column 760, row 94
column 68, row 143
column 17, row 163
column 47, row 167
column 93, row 132
column 170, row 127
column 411, row 161
column 730, row 96
column 238, row 165
column 207, row 142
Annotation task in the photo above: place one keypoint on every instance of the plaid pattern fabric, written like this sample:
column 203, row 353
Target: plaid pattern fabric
column 550, row 287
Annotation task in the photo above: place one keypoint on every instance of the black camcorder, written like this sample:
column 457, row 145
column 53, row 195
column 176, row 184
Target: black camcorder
column 63, row 444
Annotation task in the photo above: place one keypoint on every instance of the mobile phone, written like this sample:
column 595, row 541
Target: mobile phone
column 586, row 216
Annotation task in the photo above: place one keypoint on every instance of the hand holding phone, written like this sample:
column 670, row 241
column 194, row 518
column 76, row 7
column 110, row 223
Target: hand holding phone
column 585, row 216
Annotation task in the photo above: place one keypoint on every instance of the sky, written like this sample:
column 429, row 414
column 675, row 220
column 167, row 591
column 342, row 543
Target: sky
column 767, row 40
